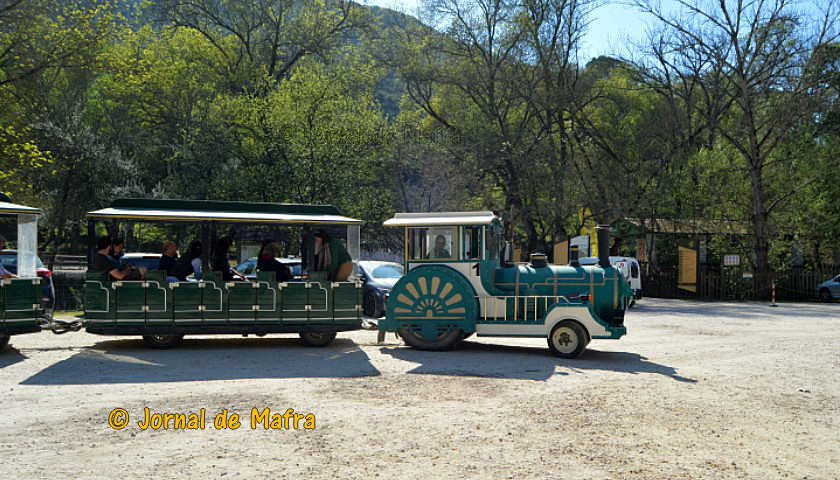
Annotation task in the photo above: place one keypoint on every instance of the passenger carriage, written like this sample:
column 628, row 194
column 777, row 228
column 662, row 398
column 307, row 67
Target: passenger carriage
column 162, row 312
column 20, row 298
column 467, row 287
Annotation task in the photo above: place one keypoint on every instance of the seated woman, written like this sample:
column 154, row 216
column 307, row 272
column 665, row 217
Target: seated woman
column 268, row 263
column 189, row 262
column 220, row 260
column 333, row 258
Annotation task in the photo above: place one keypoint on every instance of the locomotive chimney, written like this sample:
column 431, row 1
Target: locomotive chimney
column 574, row 255
column 603, row 232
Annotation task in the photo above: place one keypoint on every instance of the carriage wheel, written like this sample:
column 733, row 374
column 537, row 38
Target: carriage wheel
column 317, row 339
column 432, row 308
column 162, row 341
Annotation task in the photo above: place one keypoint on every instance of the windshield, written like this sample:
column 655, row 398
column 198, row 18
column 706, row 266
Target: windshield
column 387, row 271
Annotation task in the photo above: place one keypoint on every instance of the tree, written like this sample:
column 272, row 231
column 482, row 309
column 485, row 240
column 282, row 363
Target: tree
column 758, row 52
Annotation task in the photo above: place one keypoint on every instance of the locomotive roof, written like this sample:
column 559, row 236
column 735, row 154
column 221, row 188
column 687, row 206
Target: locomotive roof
column 234, row 212
column 441, row 218
column 13, row 208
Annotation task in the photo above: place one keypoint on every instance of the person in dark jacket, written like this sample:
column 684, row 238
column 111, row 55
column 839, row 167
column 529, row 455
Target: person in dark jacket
column 220, row 262
column 169, row 257
column 269, row 263
column 189, row 262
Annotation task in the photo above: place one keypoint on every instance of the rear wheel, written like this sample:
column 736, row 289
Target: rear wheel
column 444, row 341
column 162, row 341
column 568, row 339
column 317, row 339
column 825, row 295
column 4, row 340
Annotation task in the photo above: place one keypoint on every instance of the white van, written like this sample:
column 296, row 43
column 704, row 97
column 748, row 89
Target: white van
column 629, row 267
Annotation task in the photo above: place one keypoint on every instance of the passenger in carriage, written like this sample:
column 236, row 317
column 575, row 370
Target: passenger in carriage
column 168, row 259
column 105, row 264
column 268, row 262
column 189, row 262
column 220, row 260
column 333, row 257
column 116, row 252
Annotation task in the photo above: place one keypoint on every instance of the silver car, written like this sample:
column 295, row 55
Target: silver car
column 829, row 289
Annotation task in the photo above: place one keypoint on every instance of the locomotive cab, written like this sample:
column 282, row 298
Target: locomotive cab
column 458, row 283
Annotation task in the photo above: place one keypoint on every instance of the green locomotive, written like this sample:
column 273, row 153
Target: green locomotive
column 458, row 284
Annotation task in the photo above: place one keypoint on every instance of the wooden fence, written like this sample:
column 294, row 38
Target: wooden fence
column 736, row 284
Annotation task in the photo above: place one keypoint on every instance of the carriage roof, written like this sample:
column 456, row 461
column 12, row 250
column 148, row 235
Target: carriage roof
column 234, row 212
column 441, row 218
column 15, row 209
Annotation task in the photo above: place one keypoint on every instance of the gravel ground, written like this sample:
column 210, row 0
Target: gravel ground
column 695, row 390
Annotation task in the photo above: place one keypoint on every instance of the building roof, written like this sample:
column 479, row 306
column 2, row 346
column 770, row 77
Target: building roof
column 440, row 218
column 232, row 212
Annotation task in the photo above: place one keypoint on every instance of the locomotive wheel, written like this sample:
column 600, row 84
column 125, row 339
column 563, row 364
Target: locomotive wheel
column 568, row 339
column 318, row 339
column 162, row 341
column 4, row 340
column 432, row 307
column 445, row 341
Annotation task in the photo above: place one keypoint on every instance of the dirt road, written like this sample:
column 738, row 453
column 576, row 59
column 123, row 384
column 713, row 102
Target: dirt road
column 695, row 390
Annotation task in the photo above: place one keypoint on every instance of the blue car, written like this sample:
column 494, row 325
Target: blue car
column 9, row 260
column 378, row 278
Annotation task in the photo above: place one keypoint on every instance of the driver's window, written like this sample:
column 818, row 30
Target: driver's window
column 441, row 241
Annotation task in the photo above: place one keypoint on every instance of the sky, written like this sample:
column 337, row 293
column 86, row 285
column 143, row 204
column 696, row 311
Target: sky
column 610, row 25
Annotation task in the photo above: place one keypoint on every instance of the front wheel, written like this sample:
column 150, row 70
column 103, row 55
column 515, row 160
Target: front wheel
column 444, row 341
column 4, row 340
column 568, row 339
column 317, row 339
column 825, row 295
column 162, row 341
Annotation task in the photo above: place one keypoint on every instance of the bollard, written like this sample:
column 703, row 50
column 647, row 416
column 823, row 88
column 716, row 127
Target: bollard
column 773, row 295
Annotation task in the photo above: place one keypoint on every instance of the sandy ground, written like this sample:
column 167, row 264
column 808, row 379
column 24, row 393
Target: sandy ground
column 696, row 390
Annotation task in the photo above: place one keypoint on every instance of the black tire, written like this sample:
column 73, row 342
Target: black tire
column 4, row 340
column 369, row 305
column 162, row 341
column 825, row 295
column 445, row 341
column 568, row 339
column 318, row 339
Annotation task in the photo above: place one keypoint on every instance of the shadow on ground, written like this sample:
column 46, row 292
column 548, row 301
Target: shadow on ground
column 197, row 359
column 10, row 356
column 523, row 362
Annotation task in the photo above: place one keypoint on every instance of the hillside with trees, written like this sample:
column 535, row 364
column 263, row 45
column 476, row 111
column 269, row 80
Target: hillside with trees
column 728, row 114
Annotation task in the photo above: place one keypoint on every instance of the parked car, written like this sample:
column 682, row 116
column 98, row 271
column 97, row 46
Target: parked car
column 9, row 259
column 829, row 289
column 378, row 278
column 148, row 260
column 249, row 268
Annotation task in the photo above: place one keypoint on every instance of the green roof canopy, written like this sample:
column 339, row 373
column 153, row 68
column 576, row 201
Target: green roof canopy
column 145, row 209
